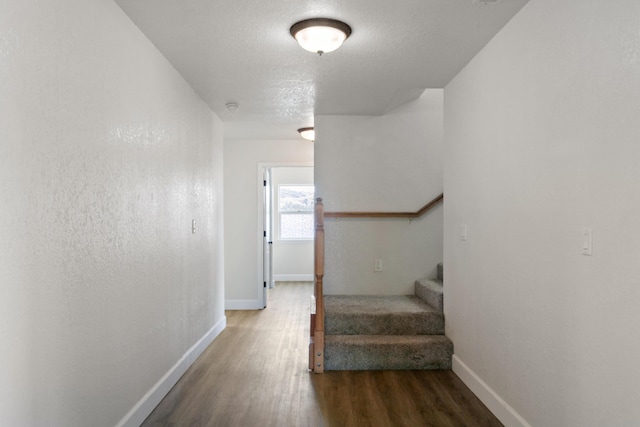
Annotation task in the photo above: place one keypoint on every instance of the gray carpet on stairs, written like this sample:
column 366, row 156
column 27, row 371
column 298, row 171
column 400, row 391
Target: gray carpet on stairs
column 381, row 315
column 430, row 291
column 386, row 332
column 387, row 352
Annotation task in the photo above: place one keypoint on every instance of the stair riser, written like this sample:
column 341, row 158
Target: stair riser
column 340, row 357
column 427, row 323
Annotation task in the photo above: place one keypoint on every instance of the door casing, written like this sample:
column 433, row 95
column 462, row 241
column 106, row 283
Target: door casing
column 262, row 167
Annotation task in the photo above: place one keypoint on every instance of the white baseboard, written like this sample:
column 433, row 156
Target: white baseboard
column 293, row 277
column 243, row 304
column 501, row 409
column 149, row 401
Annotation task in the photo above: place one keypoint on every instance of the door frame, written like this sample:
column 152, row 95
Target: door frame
column 260, row 220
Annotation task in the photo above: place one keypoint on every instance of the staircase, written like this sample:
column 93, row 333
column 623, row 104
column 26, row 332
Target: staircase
column 387, row 332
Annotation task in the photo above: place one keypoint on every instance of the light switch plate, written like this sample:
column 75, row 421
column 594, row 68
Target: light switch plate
column 587, row 241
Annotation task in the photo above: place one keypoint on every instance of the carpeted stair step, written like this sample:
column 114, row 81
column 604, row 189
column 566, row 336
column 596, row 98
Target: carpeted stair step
column 387, row 352
column 381, row 315
column 430, row 291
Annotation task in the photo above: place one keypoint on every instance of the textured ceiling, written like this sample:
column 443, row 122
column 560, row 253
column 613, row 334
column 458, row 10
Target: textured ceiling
column 241, row 51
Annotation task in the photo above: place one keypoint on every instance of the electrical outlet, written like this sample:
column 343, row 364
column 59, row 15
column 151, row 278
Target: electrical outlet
column 377, row 265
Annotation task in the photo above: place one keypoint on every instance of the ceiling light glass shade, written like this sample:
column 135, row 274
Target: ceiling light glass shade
column 308, row 133
column 320, row 35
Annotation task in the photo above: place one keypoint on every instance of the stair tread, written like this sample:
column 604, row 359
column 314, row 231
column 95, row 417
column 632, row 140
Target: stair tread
column 435, row 284
column 375, row 304
column 385, row 339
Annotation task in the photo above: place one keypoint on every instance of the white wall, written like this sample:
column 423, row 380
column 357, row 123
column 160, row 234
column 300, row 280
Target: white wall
column 381, row 163
column 106, row 155
column 243, row 189
column 292, row 260
column 542, row 140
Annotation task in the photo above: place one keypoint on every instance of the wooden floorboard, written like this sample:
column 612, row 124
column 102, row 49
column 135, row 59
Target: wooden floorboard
column 256, row 374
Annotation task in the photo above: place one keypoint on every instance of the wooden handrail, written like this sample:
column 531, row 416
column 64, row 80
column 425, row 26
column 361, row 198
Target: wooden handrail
column 426, row 208
column 316, row 346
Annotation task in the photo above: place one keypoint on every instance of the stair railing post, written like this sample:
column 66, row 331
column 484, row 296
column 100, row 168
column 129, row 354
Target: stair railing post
column 317, row 345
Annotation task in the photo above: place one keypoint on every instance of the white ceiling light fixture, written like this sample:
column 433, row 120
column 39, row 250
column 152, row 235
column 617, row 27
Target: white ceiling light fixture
column 320, row 35
column 307, row 133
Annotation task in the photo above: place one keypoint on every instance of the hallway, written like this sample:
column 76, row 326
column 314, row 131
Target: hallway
column 255, row 373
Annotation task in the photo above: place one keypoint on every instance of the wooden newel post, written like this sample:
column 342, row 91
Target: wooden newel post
column 316, row 356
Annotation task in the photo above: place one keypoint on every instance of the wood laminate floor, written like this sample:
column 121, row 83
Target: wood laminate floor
column 255, row 374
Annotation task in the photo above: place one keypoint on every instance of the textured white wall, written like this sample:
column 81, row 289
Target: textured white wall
column 106, row 155
column 542, row 140
column 381, row 163
column 291, row 258
column 242, row 187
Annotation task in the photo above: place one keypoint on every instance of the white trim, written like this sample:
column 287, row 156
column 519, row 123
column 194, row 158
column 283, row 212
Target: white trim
column 152, row 398
column 501, row 409
column 293, row 277
column 243, row 304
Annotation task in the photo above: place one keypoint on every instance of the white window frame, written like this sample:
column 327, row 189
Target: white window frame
column 281, row 213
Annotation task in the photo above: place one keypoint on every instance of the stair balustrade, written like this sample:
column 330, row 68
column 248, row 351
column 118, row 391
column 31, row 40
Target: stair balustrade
column 317, row 332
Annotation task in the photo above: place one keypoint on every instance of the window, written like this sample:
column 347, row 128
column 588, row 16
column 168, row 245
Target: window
column 295, row 209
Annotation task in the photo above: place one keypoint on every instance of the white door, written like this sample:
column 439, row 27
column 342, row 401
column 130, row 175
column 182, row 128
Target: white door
column 267, row 242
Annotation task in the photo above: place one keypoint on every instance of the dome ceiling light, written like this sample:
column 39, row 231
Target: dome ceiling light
column 307, row 133
column 320, row 35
